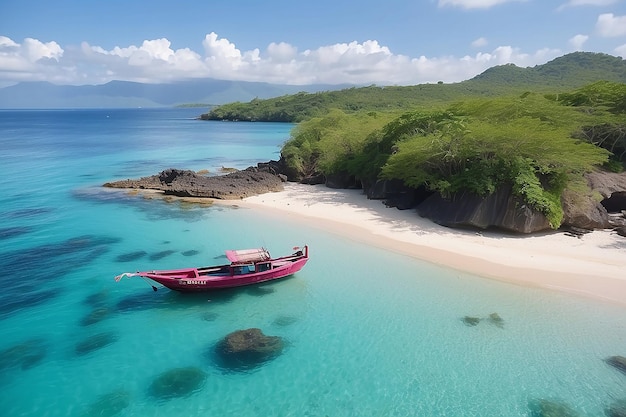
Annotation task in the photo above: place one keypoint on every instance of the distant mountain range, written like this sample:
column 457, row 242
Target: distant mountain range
column 569, row 71
column 126, row 94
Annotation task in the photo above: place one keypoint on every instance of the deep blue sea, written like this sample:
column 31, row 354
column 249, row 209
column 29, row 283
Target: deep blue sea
column 365, row 332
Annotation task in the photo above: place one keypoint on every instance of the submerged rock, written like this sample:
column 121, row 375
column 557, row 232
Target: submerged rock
column 97, row 299
column 470, row 321
column 552, row 408
column 246, row 349
column 178, row 382
column 95, row 342
column 131, row 256
column 160, row 255
column 23, row 355
column 618, row 362
column 496, row 320
column 109, row 404
column 95, row 316
column 210, row 316
column 285, row 320
column 493, row 318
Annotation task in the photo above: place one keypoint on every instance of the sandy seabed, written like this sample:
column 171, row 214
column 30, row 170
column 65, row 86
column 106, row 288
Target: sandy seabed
column 592, row 265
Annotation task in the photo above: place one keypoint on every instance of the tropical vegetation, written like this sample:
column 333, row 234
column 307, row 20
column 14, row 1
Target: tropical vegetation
column 537, row 141
column 565, row 73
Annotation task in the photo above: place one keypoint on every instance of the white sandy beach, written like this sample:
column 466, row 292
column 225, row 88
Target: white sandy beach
column 593, row 265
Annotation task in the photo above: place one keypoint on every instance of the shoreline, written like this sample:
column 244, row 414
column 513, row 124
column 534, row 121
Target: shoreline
column 593, row 265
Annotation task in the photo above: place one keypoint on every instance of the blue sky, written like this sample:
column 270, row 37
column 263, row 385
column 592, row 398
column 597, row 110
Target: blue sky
column 395, row 42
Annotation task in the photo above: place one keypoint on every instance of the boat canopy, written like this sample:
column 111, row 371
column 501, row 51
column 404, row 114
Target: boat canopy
column 248, row 255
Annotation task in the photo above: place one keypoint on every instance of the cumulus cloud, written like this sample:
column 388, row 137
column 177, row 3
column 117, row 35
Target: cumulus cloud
column 575, row 3
column 479, row 43
column 473, row 4
column 30, row 51
column 281, row 52
column 609, row 25
column 32, row 60
column 578, row 41
column 155, row 61
column 621, row 51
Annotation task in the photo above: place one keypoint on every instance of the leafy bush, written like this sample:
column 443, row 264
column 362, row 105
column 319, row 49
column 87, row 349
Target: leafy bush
column 529, row 142
column 523, row 141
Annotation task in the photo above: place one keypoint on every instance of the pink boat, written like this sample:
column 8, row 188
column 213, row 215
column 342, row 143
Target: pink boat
column 247, row 267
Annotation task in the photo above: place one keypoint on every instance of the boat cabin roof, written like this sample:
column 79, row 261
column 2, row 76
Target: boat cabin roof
column 248, row 255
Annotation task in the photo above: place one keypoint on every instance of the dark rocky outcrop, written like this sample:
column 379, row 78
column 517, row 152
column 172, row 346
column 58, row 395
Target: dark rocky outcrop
column 590, row 212
column 500, row 209
column 615, row 203
column 607, row 183
column 314, row 179
column 395, row 193
column 342, row 180
column 583, row 212
column 184, row 183
column 246, row 349
column 612, row 189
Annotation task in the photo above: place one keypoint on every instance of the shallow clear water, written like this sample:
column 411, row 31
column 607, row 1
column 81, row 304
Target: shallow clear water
column 366, row 332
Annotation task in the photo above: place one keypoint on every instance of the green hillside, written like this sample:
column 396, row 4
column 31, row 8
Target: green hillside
column 565, row 73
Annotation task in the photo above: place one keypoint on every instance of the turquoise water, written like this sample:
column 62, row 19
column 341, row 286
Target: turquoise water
column 367, row 332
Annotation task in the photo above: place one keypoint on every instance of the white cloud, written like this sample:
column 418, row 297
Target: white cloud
column 575, row 3
column 36, row 50
column 31, row 60
column 155, row 61
column 621, row 51
column 609, row 25
column 480, row 42
column 281, row 52
column 7, row 43
column 578, row 41
column 220, row 48
column 473, row 4
column 30, row 51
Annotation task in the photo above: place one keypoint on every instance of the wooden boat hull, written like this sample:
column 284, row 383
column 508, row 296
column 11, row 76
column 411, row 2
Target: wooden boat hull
column 203, row 283
column 248, row 267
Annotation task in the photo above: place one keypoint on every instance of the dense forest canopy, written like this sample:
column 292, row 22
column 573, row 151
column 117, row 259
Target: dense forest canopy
column 566, row 73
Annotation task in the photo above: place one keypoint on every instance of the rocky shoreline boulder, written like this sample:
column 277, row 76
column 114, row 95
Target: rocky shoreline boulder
column 500, row 209
column 185, row 183
column 602, row 207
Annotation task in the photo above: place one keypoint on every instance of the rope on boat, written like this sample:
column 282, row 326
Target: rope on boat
column 125, row 275
column 119, row 277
